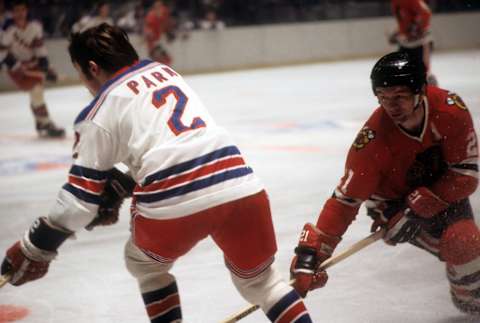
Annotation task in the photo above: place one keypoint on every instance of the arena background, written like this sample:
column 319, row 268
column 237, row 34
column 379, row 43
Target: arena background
column 264, row 33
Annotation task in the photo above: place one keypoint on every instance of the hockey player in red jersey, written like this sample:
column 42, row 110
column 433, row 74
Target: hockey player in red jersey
column 414, row 164
column 187, row 178
column 24, row 40
column 413, row 34
column 158, row 28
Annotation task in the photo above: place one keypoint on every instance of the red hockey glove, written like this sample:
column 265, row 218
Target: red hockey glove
column 118, row 187
column 425, row 203
column 22, row 268
column 393, row 38
column 314, row 247
column 29, row 258
column 402, row 227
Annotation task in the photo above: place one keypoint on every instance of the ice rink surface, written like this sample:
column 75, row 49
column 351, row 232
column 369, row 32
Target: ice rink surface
column 294, row 126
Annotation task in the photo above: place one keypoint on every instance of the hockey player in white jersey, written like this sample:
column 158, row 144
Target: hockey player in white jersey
column 24, row 40
column 188, row 178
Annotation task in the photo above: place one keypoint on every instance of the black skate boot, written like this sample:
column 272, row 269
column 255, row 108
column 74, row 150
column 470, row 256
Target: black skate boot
column 50, row 130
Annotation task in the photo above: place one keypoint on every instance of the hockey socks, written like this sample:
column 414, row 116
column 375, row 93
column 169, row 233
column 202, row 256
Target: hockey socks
column 40, row 113
column 45, row 127
column 465, row 286
column 460, row 248
column 289, row 309
column 163, row 305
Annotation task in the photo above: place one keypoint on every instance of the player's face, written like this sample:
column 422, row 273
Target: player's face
column 398, row 102
column 19, row 14
column 104, row 10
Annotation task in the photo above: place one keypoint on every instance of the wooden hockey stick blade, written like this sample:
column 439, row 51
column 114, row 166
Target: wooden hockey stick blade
column 326, row 264
column 4, row 279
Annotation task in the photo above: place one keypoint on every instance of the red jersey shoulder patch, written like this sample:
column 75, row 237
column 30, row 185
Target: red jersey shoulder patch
column 454, row 99
column 364, row 137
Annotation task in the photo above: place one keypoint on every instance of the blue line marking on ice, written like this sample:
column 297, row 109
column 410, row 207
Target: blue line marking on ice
column 18, row 166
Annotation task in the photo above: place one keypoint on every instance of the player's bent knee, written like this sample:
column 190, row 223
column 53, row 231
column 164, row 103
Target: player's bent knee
column 150, row 273
column 279, row 301
column 460, row 242
column 265, row 289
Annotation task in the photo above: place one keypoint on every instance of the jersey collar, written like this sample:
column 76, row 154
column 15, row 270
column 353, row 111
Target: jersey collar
column 110, row 83
column 424, row 126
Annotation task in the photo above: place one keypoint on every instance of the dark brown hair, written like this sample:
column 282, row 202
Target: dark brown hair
column 108, row 46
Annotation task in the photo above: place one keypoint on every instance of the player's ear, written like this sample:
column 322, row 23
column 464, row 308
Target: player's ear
column 93, row 68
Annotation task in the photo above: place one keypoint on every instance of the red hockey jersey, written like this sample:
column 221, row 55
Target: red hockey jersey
column 413, row 17
column 382, row 162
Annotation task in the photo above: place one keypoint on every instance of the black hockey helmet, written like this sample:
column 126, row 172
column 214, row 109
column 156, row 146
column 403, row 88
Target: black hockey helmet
column 399, row 68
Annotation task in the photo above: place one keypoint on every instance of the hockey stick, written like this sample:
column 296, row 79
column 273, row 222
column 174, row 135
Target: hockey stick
column 4, row 279
column 326, row 264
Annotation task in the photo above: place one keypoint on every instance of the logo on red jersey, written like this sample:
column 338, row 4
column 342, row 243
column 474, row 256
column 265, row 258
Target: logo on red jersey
column 363, row 138
column 454, row 99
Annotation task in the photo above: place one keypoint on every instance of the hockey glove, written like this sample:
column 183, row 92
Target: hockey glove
column 44, row 66
column 51, row 75
column 314, row 247
column 30, row 258
column 118, row 187
column 402, row 227
column 425, row 203
column 393, row 38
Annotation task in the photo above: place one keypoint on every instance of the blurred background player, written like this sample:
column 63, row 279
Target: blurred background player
column 190, row 181
column 23, row 39
column 413, row 34
column 100, row 15
column 415, row 164
column 158, row 29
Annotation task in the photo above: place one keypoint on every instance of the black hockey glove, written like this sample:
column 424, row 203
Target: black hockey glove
column 400, row 222
column 118, row 187
column 44, row 66
column 403, row 227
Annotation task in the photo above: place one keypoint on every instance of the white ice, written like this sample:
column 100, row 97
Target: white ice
column 294, row 125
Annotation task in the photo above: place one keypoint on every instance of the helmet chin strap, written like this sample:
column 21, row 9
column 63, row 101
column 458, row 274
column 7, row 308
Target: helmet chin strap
column 417, row 100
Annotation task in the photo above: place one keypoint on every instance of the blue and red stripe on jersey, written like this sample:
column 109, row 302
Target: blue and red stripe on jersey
column 195, row 174
column 289, row 309
column 163, row 305
column 91, row 110
column 86, row 183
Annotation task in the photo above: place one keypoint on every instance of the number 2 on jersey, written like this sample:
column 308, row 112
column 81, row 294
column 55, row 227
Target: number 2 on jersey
column 175, row 123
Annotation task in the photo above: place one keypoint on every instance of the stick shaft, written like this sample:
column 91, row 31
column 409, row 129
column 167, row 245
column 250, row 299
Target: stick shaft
column 326, row 264
column 4, row 279
column 352, row 249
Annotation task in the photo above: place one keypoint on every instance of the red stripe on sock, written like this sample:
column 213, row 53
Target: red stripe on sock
column 292, row 312
column 164, row 305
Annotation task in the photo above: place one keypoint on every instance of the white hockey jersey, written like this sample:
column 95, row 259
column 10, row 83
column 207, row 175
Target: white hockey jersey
column 148, row 118
column 25, row 44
